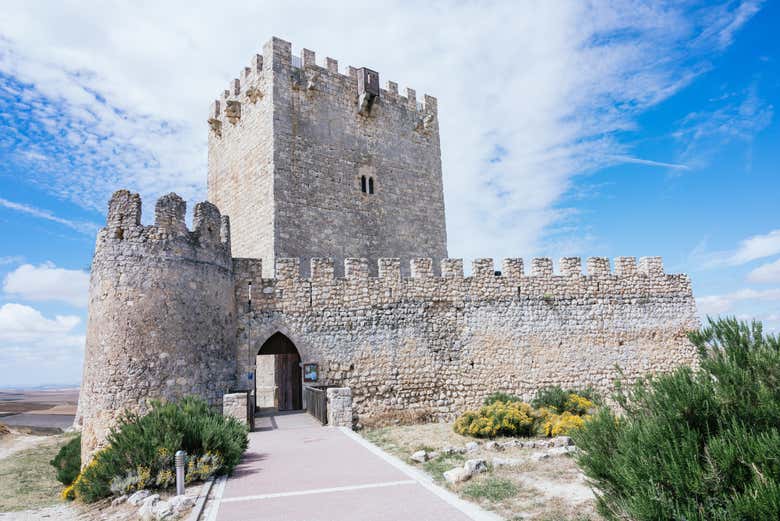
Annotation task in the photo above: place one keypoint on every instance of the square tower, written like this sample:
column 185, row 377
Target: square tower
column 309, row 162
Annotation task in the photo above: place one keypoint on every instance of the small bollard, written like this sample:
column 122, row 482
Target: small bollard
column 179, row 459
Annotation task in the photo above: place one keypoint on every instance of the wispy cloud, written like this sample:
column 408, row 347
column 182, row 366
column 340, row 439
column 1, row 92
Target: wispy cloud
column 704, row 133
column 749, row 249
column 11, row 259
column 648, row 162
column 93, row 107
column 79, row 226
column 766, row 274
column 719, row 304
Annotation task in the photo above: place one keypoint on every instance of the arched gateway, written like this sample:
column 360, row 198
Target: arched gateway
column 279, row 381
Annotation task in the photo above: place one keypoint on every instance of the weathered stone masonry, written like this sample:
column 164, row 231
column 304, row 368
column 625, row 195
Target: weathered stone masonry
column 162, row 320
column 289, row 146
column 172, row 312
column 443, row 343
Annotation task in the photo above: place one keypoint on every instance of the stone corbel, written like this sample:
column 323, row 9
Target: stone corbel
column 253, row 94
column 233, row 111
column 216, row 126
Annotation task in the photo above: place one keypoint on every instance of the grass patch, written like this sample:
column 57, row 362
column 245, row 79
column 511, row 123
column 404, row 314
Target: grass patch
column 490, row 488
column 27, row 480
column 437, row 467
column 379, row 436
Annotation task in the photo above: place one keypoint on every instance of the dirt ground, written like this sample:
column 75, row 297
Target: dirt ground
column 548, row 489
column 27, row 480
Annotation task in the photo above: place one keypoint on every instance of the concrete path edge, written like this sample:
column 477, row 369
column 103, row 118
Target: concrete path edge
column 475, row 512
column 197, row 510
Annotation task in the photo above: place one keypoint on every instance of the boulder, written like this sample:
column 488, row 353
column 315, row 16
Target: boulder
column 560, row 451
column 137, row 498
column 181, row 503
column 492, row 445
column 457, row 475
column 472, row 446
column 420, row 456
column 146, row 512
column 475, row 466
column 119, row 500
column 162, row 510
column 506, row 462
column 562, row 441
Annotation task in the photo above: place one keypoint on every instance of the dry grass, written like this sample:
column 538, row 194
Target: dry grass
column 551, row 489
column 395, row 418
column 27, row 480
column 4, row 430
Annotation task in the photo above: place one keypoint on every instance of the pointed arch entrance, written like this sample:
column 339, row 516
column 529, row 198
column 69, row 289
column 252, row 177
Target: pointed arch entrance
column 279, row 364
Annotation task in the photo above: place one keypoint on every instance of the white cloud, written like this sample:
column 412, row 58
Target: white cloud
column 550, row 84
column 47, row 282
column 79, row 226
column 719, row 304
column 750, row 249
column 766, row 273
column 35, row 349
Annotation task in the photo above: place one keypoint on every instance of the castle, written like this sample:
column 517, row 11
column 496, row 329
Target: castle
column 334, row 261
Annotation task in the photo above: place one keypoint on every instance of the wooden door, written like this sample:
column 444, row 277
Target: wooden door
column 288, row 381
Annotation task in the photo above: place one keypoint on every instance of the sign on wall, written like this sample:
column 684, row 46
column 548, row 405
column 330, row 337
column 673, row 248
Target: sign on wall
column 310, row 372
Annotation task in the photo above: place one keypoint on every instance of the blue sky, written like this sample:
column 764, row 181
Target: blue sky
column 598, row 129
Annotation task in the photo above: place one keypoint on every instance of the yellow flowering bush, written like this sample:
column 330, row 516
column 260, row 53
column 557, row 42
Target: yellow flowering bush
column 562, row 424
column 68, row 493
column 577, row 404
column 517, row 418
column 497, row 419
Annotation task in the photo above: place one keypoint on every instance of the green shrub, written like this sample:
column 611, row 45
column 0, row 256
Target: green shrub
column 68, row 461
column 575, row 401
column 694, row 445
column 140, row 451
column 501, row 397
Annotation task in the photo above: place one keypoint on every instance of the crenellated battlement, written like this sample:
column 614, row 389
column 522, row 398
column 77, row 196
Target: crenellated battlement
column 510, row 268
column 254, row 83
column 321, row 288
column 211, row 231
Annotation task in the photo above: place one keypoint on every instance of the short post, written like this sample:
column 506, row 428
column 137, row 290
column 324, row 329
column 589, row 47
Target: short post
column 179, row 459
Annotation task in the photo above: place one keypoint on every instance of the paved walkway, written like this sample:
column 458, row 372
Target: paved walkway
column 297, row 470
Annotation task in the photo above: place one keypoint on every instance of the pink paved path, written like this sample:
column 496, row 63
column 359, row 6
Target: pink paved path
column 296, row 470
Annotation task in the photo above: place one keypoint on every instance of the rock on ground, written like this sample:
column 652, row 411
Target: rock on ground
column 138, row 497
column 420, row 456
column 475, row 466
column 457, row 475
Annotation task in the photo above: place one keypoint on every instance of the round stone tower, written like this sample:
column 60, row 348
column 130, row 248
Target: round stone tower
column 162, row 319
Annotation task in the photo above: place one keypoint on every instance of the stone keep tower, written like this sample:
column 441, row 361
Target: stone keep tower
column 162, row 318
column 309, row 162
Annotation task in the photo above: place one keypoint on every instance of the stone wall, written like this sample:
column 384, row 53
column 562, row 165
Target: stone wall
column 440, row 344
column 288, row 170
column 339, row 407
column 237, row 405
column 162, row 318
column 241, row 158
